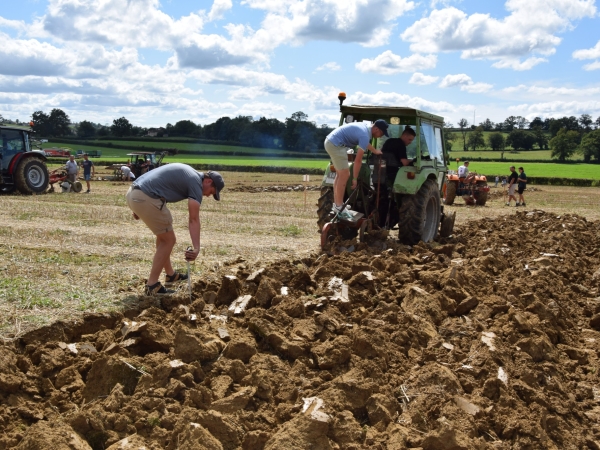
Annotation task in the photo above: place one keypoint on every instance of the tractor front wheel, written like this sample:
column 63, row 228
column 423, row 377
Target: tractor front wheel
column 450, row 192
column 325, row 203
column 420, row 215
column 31, row 177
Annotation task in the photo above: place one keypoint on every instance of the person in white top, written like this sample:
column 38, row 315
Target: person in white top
column 463, row 170
column 127, row 174
column 72, row 169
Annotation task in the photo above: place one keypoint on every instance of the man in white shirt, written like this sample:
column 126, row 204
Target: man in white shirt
column 72, row 169
column 127, row 174
column 463, row 170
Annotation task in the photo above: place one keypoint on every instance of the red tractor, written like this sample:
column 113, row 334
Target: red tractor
column 473, row 188
column 21, row 168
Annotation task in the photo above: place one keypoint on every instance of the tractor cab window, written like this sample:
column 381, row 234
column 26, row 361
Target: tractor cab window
column 12, row 141
column 430, row 145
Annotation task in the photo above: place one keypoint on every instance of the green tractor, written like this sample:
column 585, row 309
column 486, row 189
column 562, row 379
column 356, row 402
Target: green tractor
column 411, row 201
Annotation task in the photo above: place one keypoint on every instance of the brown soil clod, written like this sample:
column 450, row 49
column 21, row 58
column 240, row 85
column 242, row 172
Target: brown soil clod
column 489, row 338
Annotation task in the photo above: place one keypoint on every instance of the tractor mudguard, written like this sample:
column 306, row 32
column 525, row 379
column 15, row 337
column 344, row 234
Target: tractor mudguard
column 404, row 184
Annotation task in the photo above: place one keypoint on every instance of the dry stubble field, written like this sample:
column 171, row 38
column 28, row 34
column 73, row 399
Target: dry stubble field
column 65, row 254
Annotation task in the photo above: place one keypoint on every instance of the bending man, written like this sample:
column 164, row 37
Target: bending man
column 148, row 197
column 337, row 143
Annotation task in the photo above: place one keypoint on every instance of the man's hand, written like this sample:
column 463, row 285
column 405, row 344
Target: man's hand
column 135, row 216
column 354, row 183
column 191, row 254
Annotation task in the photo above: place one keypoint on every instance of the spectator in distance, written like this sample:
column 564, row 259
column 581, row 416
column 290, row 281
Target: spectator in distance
column 72, row 169
column 88, row 170
column 512, row 185
column 522, row 184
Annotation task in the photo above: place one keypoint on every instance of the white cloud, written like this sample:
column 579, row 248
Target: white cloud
column 557, row 108
column 590, row 53
column 18, row 25
column 219, row 8
column 397, row 99
column 592, row 66
column 389, row 63
column 422, row 79
column 530, row 28
column 329, row 67
column 383, row 82
column 516, row 64
column 465, row 83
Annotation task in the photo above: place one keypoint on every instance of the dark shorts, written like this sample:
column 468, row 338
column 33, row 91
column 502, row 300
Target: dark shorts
column 520, row 189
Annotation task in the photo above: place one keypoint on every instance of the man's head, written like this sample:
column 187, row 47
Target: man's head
column 380, row 128
column 520, row 169
column 212, row 184
column 512, row 168
column 466, row 163
column 408, row 135
column 85, row 156
column 71, row 157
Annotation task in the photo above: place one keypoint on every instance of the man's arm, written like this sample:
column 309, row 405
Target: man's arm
column 194, row 226
column 374, row 150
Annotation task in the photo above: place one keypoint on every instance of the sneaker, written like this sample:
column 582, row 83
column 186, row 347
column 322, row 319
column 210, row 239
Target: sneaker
column 523, row 204
column 175, row 278
column 508, row 204
column 517, row 204
column 344, row 215
column 157, row 289
column 87, row 192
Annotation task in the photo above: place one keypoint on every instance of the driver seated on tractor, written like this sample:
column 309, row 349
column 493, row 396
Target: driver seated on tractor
column 463, row 173
column 337, row 143
column 394, row 152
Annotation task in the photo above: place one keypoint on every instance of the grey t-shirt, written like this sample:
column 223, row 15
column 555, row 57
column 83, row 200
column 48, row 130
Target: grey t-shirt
column 173, row 182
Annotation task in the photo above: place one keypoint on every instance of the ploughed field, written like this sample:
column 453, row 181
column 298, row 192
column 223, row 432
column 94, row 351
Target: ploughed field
column 487, row 339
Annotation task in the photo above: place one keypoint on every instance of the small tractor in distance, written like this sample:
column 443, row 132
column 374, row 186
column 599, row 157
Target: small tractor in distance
column 412, row 200
column 473, row 189
column 21, row 168
column 139, row 163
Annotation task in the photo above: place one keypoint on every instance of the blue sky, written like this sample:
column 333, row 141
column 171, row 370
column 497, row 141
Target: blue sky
column 157, row 62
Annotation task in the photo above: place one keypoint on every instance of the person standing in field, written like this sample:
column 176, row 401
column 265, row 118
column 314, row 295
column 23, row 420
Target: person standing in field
column 522, row 184
column 337, row 144
column 88, row 170
column 497, row 180
column 72, row 169
column 512, row 185
column 148, row 197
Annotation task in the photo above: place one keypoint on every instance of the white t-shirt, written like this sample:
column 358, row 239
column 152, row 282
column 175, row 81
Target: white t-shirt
column 72, row 167
column 126, row 170
column 463, row 171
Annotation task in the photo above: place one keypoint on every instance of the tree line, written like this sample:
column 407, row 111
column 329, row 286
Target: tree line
column 296, row 133
column 565, row 136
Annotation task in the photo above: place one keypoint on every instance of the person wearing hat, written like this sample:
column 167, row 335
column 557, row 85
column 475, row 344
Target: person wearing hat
column 148, row 197
column 337, row 144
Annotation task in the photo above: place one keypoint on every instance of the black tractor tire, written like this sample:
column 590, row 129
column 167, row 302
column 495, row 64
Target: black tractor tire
column 480, row 196
column 450, row 194
column 76, row 186
column 420, row 215
column 324, row 204
column 31, row 177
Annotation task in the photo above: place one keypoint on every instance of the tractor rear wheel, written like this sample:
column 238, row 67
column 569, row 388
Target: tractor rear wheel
column 480, row 196
column 31, row 177
column 325, row 203
column 420, row 215
column 450, row 192
column 76, row 186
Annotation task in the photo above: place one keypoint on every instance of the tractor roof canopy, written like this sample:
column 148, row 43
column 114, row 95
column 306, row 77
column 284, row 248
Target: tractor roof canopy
column 369, row 112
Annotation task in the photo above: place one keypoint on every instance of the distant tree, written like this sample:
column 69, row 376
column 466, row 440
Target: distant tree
column 300, row 134
column 59, row 123
column 449, row 137
column 568, row 123
column 536, row 122
column 522, row 122
column 509, row 123
column 463, row 124
column 585, row 121
column 475, row 139
column 499, row 126
column 597, row 123
column 139, row 131
column 487, row 125
column 496, row 141
column 103, row 131
column 184, row 128
column 86, row 129
column 590, row 146
column 121, row 127
column 563, row 145
column 1, row 119
column 41, row 124
column 540, row 138
column 520, row 139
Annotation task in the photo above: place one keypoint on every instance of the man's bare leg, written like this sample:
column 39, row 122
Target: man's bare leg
column 339, row 186
column 162, row 258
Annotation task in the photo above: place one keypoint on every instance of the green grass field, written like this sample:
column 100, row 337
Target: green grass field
column 585, row 171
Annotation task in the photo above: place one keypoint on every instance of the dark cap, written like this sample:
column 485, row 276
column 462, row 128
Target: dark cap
column 466, row 161
column 217, row 181
column 382, row 125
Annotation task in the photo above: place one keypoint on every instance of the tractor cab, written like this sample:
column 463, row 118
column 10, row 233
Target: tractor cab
column 20, row 167
column 142, row 162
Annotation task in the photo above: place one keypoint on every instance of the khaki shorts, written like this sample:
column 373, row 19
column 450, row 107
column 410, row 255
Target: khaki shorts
column 152, row 211
column 339, row 155
column 511, row 189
